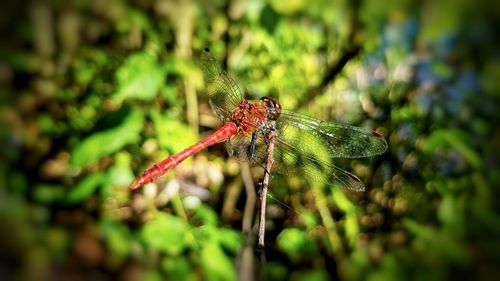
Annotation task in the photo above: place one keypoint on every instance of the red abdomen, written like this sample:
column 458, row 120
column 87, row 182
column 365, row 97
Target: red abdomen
column 223, row 133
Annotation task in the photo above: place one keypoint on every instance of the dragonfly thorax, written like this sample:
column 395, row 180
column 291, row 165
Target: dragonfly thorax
column 249, row 116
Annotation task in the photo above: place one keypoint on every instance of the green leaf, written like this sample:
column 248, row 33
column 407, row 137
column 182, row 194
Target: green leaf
column 47, row 124
column 438, row 242
column 58, row 240
column 451, row 213
column 178, row 268
column 444, row 70
column 452, row 138
column 120, row 174
column 118, row 240
column 309, row 219
column 352, row 228
column 351, row 222
column 343, row 202
column 215, row 264
column 85, row 188
column 229, row 239
column 92, row 148
column 166, row 233
column 434, row 28
column 172, row 134
column 206, row 215
column 389, row 270
column 276, row 270
column 48, row 193
column 288, row 7
column 295, row 242
column 151, row 275
column 141, row 77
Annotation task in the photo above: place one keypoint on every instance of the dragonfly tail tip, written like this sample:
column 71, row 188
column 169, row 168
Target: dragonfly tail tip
column 135, row 184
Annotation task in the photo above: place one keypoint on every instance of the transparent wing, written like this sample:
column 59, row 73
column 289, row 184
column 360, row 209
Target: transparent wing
column 223, row 92
column 294, row 159
column 340, row 141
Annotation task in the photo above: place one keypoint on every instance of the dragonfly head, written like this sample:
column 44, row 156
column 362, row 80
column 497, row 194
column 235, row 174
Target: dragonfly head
column 273, row 107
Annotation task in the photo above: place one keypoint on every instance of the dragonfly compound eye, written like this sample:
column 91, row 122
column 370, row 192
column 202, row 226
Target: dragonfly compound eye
column 273, row 107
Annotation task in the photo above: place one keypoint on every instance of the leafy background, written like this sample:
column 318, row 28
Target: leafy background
column 94, row 92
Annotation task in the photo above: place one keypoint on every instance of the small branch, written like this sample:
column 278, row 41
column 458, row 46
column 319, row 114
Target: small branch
column 251, row 198
column 330, row 75
column 352, row 48
column 263, row 187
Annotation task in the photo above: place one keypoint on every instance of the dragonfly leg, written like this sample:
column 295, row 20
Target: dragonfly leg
column 251, row 150
column 260, row 183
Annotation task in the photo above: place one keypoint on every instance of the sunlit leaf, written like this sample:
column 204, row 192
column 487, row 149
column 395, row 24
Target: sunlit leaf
column 309, row 218
column 90, row 60
column 118, row 240
column 92, row 148
column 230, row 239
column 216, row 264
column 121, row 174
column 140, row 77
column 47, row 124
column 178, row 268
column 172, row 134
column 85, row 188
column 451, row 213
column 295, row 242
column 166, row 233
column 206, row 215
column 288, row 7
column 169, row 92
column 351, row 222
column 343, row 202
column 352, row 228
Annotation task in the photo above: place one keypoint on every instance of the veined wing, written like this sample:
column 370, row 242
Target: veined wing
column 289, row 159
column 223, row 92
column 307, row 146
column 336, row 140
column 294, row 159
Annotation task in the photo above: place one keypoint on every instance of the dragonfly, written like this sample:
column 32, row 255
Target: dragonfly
column 302, row 145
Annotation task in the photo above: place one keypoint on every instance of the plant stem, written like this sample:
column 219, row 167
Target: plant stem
column 264, row 184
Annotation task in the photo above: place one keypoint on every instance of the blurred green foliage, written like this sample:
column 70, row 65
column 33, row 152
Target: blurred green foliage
column 94, row 92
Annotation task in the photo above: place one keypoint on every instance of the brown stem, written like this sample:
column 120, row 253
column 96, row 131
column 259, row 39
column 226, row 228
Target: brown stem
column 251, row 198
column 330, row 75
column 351, row 50
column 263, row 188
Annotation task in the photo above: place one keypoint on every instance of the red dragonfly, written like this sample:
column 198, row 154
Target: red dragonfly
column 303, row 145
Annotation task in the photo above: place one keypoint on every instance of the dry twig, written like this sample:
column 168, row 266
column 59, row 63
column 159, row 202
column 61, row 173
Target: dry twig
column 264, row 184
